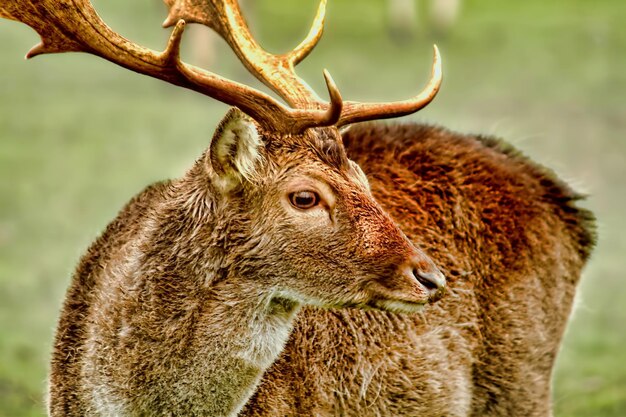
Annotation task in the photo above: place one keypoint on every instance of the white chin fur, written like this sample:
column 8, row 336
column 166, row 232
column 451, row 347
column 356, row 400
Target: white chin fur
column 399, row 306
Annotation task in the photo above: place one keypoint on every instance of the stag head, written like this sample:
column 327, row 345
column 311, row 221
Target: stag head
column 300, row 215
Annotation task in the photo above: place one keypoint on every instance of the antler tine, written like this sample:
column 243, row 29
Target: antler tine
column 74, row 26
column 332, row 113
column 302, row 119
column 275, row 71
column 354, row 112
column 315, row 34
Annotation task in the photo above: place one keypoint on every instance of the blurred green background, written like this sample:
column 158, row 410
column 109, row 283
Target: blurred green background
column 79, row 136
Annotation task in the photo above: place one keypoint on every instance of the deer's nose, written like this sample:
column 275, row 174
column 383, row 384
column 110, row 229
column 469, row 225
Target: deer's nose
column 429, row 277
column 433, row 280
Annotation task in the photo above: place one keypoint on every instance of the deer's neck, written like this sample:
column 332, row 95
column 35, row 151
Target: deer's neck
column 247, row 330
column 251, row 322
column 205, row 334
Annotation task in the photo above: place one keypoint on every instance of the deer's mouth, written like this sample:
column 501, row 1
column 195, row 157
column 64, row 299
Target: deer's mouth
column 404, row 293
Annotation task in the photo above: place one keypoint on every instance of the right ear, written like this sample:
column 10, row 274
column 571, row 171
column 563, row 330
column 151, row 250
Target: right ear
column 235, row 151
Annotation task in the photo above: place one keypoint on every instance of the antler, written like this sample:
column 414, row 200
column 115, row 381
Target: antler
column 74, row 26
column 275, row 71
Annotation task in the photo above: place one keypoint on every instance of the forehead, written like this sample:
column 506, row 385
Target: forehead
column 323, row 144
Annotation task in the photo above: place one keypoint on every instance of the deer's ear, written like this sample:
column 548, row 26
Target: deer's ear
column 235, row 151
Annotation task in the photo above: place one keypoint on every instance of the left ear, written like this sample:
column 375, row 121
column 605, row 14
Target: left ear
column 235, row 150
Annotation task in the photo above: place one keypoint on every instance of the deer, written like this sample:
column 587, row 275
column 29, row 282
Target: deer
column 299, row 267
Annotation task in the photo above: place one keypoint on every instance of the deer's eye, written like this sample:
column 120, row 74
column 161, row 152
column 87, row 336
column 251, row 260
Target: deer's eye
column 304, row 199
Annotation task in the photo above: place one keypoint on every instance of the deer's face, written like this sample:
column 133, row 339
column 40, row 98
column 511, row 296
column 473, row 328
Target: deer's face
column 312, row 232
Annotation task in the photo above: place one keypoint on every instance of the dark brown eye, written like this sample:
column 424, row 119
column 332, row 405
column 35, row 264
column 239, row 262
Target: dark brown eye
column 304, row 199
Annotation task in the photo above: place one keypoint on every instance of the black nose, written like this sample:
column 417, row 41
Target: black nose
column 433, row 280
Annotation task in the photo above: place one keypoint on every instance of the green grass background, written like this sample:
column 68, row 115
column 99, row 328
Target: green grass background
column 79, row 136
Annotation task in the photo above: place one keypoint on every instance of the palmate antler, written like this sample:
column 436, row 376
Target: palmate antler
column 74, row 26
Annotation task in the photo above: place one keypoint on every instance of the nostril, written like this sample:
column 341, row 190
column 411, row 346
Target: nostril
column 428, row 279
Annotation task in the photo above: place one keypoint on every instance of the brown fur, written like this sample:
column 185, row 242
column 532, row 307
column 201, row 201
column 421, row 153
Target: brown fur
column 506, row 232
column 512, row 243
